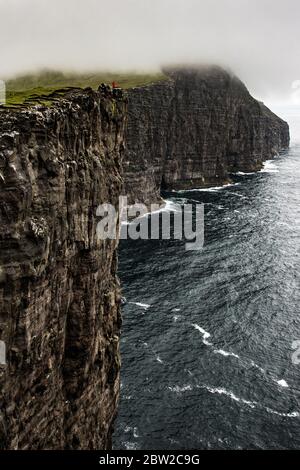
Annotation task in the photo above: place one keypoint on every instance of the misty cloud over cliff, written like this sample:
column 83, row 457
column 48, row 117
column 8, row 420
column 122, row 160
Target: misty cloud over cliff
column 257, row 39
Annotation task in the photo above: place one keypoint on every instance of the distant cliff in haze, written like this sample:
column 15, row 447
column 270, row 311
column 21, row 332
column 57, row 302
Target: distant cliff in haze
column 193, row 130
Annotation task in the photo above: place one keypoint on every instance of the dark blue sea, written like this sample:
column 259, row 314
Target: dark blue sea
column 207, row 337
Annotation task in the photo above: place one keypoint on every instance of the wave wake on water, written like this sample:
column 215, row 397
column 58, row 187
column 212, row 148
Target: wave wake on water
column 222, row 352
column 222, row 391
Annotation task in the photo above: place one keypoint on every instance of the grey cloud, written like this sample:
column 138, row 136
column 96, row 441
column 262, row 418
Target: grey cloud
column 257, row 39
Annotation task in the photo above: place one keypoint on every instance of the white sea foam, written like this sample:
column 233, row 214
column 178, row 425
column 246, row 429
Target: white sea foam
column 199, row 328
column 178, row 389
column 282, row 383
column 225, row 353
column 293, row 414
column 258, row 367
column 204, row 333
column 252, row 404
column 210, row 189
column 269, row 167
column 159, row 359
column 167, row 206
column 134, row 431
column 217, row 188
column 207, row 343
column 242, row 173
column 222, row 352
column 228, row 393
column 126, row 397
column 236, row 194
column 130, row 445
column 140, row 304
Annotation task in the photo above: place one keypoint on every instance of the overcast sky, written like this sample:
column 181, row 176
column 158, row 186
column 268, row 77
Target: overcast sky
column 258, row 39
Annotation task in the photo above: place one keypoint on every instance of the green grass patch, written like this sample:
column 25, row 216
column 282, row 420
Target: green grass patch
column 38, row 88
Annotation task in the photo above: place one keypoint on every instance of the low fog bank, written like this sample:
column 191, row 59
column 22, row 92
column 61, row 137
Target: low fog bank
column 257, row 39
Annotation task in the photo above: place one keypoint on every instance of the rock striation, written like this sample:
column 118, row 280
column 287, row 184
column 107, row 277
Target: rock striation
column 195, row 129
column 59, row 292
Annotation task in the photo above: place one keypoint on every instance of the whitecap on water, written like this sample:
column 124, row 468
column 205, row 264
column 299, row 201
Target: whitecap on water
column 204, row 333
column 228, row 393
column 140, row 304
column 293, row 414
column 178, row 389
column 222, row 352
column 210, row 189
column 167, row 206
column 282, row 383
column 130, row 445
column 134, row 431
column 199, row 328
column 217, row 188
column 225, row 353
column 252, row 404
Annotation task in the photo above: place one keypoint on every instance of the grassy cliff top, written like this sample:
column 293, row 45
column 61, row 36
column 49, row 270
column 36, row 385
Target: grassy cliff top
column 32, row 88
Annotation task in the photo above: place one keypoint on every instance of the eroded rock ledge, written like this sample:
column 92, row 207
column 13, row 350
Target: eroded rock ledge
column 59, row 293
column 193, row 130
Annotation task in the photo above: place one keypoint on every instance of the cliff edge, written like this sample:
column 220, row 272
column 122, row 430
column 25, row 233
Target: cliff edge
column 59, row 292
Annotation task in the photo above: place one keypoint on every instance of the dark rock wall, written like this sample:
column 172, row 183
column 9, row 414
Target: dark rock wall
column 147, row 139
column 59, row 293
column 193, row 130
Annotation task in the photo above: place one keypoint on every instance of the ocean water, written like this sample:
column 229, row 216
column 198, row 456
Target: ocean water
column 207, row 339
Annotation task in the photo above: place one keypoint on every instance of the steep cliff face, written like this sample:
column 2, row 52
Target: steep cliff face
column 59, row 293
column 193, row 130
